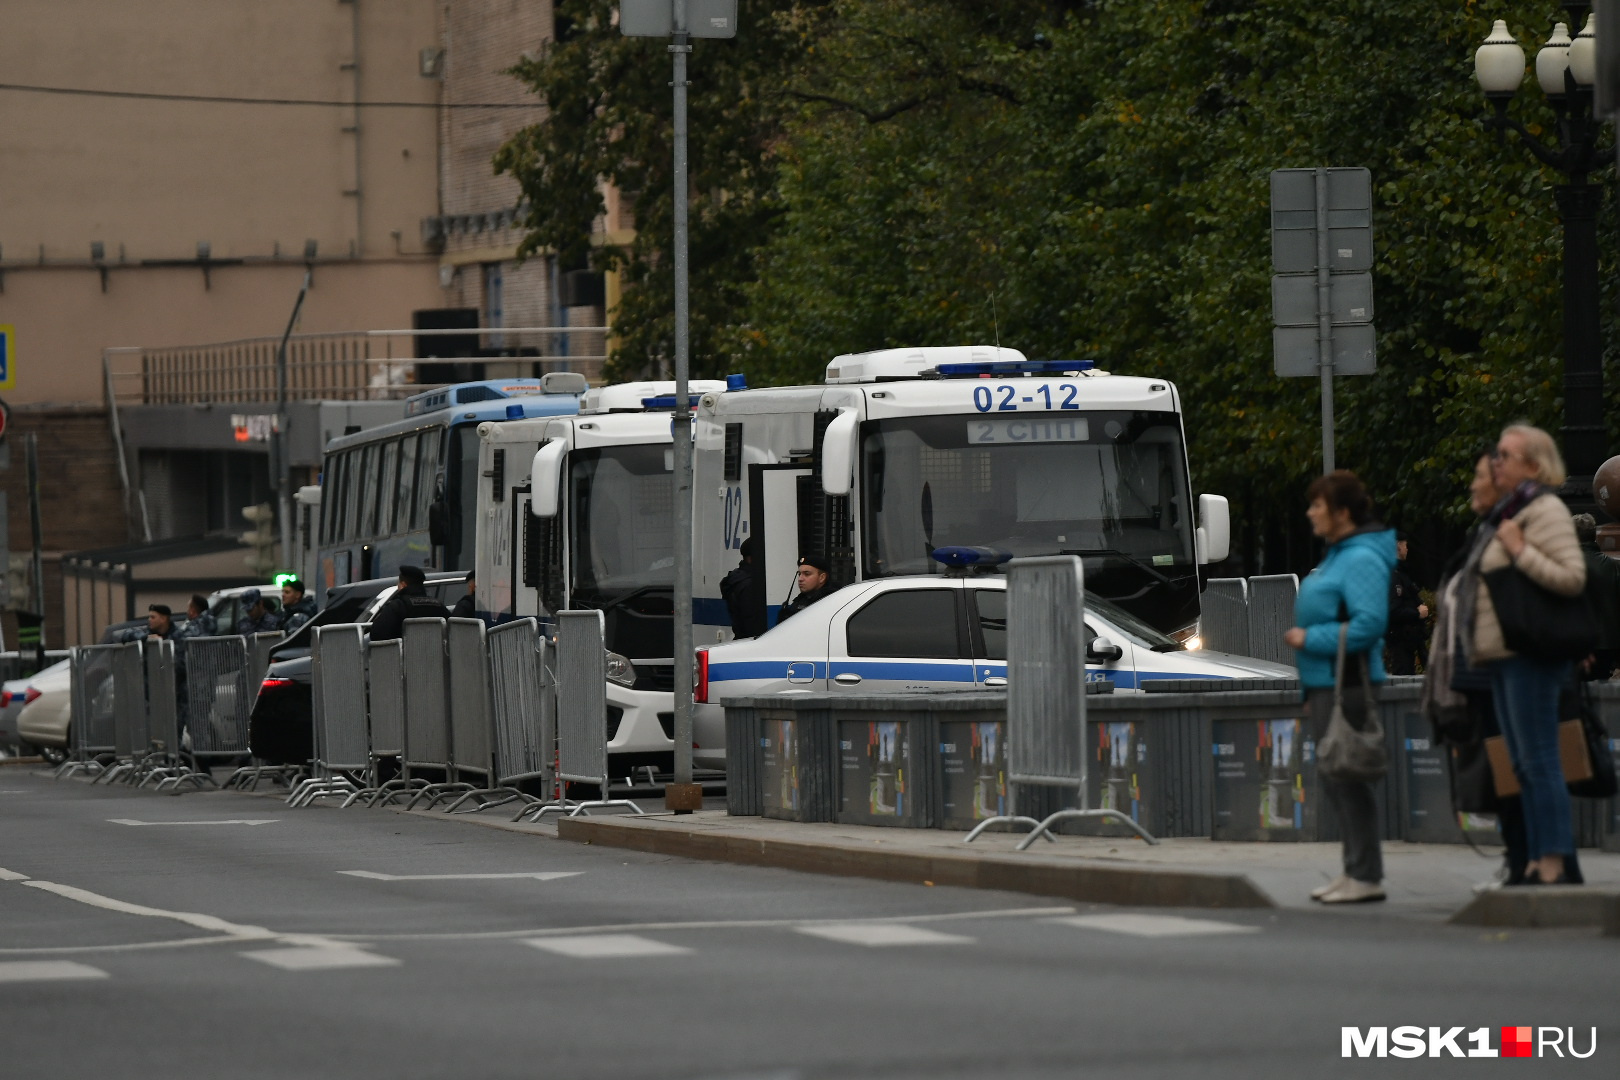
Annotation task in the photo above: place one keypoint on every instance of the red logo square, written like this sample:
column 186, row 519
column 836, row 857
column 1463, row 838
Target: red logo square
column 1517, row 1042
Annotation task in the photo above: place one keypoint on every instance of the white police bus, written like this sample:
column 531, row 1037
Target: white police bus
column 904, row 451
column 577, row 512
column 405, row 492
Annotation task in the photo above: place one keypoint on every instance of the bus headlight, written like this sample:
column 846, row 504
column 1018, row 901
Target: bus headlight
column 620, row 670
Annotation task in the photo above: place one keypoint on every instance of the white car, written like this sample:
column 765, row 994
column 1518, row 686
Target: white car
column 14, row 695
column 927, row 633
column 43, row 722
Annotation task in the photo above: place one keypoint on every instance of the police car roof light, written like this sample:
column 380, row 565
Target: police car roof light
column 737, row 381
column 514, row 412
column 983, row 557
column 985, row 369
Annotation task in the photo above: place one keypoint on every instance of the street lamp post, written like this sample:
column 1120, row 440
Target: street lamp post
column 1566, row 71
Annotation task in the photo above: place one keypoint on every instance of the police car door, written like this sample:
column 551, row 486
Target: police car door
column 987, row 610
column 910, row 637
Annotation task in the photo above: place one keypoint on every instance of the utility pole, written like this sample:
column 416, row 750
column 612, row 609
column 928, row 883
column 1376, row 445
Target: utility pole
column 280, row 467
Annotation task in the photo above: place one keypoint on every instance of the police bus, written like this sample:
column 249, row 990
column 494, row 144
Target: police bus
column 904, row 451
column 406, row 492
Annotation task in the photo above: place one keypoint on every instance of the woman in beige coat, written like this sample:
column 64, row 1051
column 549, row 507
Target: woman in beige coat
column 1534, row 534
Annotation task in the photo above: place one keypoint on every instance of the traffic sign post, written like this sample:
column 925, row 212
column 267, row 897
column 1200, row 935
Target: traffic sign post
column 8, row 356
column 1321, row 289
column 681, row 20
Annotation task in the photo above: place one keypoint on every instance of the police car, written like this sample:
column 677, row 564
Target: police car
column 927, row 632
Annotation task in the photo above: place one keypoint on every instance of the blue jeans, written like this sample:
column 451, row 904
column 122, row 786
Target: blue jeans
column 1526, row 694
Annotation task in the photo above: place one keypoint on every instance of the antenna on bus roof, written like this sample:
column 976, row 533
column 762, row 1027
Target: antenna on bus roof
column 995, row 322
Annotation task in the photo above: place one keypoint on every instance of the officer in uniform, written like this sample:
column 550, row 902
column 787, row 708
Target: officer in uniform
column 813, row 585
column 410, row 601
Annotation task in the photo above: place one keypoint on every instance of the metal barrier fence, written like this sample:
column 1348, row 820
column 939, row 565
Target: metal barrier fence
column 338, row 696
column 1046, row 688
column 1248, row 617
column 1223, row 620
column 220, row 692
column 91, row 731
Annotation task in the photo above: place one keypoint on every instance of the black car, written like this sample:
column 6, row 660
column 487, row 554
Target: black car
column 282, row 725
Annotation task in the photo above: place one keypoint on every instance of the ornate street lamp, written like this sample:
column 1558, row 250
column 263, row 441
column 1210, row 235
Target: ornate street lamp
column 1565, row 70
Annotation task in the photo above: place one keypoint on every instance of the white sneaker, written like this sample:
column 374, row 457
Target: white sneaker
column 1322, row 890
column 1354, row 892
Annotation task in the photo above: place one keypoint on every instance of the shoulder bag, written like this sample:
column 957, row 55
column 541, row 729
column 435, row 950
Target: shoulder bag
column 1538, row 622
column 1346, row 752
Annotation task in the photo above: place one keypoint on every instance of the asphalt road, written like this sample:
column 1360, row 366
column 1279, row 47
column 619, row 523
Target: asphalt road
column 361, row 943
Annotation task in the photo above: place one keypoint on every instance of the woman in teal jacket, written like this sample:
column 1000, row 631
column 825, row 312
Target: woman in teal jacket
column 1351, row 584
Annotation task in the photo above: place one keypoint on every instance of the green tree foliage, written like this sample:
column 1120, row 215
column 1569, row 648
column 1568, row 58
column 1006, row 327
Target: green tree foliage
column 1090, row 179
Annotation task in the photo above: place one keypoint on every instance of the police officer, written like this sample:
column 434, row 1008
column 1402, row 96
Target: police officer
column 743, row 590
column 467, row 606
column 199, row 620
column 813, row 585
column 297, row 608
column 259, row 619
column 159, row 623
column 410, row 601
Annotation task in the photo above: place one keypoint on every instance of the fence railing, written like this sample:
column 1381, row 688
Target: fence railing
column 345, row 366
column 1248, row 616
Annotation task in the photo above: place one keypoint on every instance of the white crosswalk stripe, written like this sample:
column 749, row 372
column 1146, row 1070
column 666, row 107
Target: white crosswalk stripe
column 1155, row 926
column 320, row 958
column 881, row 934
column 605, row 946
column 46, row 970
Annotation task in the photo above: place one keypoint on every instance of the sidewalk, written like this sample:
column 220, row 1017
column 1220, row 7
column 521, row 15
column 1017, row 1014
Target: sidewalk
column 1426, row 881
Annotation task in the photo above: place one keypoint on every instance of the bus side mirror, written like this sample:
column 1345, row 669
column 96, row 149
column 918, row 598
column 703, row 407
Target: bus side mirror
column 545, row 478
column 1214, row 528
column 838, row 445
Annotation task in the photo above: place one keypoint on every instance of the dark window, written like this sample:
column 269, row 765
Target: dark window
column 991, row 605
column 388, row 491
column 403, row 516
column 427, row 471
column 912, row 622
column 733, row 459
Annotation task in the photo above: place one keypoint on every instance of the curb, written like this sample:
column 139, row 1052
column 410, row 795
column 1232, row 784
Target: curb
column 1545, row 906
column 1135, row 886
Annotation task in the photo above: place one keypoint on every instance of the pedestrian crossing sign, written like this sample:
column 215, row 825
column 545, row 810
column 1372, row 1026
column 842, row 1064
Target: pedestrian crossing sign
column 8, row 371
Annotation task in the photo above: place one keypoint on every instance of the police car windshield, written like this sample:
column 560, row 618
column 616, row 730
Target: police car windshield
column 623, row 522
column 1029, row 483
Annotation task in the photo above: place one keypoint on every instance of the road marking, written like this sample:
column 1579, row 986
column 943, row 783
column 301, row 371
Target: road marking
column 320, row 958
column 41, row 970
column 130, row 946
column 541, row 875
column 1155, row 926
column 713, row 924
column 876, row 935
column 604, row 946
column 232, row 821
column 11, row 875
column 107, row 903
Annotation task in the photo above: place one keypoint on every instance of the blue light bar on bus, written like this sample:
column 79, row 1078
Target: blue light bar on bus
column 970, row 556
column 987, row 368
column 667, row 401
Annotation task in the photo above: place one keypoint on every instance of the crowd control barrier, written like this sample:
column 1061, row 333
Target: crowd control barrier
column 385, row 714
column 509, row 707
column 1046, row 690
column 1248, row 617
column 91, row 731
column 581, row 673
column 338, row 696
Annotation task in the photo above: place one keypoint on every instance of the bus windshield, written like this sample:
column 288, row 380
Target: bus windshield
column 623, row 526
column 1108, row 485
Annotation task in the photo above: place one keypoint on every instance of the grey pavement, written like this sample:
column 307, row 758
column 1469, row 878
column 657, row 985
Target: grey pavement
column 238, row 950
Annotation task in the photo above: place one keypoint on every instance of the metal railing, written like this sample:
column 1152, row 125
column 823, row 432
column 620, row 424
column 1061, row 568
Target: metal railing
column 1046, row 689
column 1248, row 617
column 338, row 697
column 344, row 366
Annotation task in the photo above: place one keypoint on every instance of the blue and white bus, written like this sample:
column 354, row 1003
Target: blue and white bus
column 407, row 492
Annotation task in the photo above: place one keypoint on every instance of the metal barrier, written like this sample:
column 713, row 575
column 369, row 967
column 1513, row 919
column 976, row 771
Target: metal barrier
column 219, row 696
column 338, row 695
column 427, row 716
column 90, row 730
column 1046, row 689
column 164, row 764
column 130, row 740
column 1271, row 613
column 1223, row 620
column 473, row 685
column 582, row 710
column 385, row 711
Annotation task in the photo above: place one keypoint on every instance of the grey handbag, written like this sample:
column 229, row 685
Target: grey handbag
column 1344, row 752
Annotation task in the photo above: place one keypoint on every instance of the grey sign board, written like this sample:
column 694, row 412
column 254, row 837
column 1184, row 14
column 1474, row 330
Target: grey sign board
column 1293, row 299
column 1294, row 348
column 1294, row 221
column 656, row 18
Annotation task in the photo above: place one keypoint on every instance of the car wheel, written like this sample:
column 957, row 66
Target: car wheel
column 53, row 755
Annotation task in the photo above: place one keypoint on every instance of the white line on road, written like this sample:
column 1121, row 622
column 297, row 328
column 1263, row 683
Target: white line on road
column 540, row 875
column 233, row 821
column 320, row 958
column 876, row 935
column 713, row 924
column 11, row 875
column 1156, row 926
column 41, row 970
column 107, row 903
column 606, row 946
